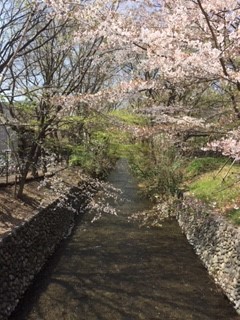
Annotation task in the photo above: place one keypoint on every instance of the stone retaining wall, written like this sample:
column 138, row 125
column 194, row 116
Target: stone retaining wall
column 24, row 251
column 217, row 242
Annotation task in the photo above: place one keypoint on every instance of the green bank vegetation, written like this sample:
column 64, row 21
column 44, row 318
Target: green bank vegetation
column 159, row 168
column 163, row 172
column 104, row 140
column 215, row 181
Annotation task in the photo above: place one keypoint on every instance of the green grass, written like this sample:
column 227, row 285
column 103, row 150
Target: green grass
column 129, row 118
column 201, row 165
column 212, row 187
column 217, row 183
column 234, row 216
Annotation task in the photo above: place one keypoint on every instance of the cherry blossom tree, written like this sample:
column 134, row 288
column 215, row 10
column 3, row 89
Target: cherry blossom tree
column 155, row 46
column 181, row 42
column 44, row 66
column 189, row 46
column 51, row 73
column 228, row 146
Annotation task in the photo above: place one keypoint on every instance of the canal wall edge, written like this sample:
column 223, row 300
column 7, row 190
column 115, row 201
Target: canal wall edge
column 26, row 249
column 217, row 242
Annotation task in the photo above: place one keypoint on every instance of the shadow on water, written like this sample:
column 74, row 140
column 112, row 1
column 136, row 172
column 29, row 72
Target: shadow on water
column 113, row 270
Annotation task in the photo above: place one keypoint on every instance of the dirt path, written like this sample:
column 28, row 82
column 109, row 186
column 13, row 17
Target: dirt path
column 14, row 212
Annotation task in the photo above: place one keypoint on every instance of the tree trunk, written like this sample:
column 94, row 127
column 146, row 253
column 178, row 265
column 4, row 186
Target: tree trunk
column 235, row 107
column 22, row 180
column 25, row 170
column 44, row 162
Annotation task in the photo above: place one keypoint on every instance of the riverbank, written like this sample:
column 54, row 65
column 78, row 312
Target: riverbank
column 14, row 212
column 216, row 241
column 114, row 269
column 32, row 228
column 213, row 237
column 26, row 245
column 209, row 216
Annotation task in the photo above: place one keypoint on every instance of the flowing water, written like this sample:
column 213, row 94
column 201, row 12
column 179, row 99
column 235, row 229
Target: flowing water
column 113, row 270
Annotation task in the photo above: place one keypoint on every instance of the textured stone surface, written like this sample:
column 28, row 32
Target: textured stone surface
column 217, row 242
column 24, row 251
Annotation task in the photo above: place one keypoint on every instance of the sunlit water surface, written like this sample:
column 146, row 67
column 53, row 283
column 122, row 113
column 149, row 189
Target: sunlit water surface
column 114, row 270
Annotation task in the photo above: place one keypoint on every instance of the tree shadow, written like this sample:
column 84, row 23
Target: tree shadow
column 126, row 275
column 30, row 201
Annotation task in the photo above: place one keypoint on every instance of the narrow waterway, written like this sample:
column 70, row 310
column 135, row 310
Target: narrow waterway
column 113, row 270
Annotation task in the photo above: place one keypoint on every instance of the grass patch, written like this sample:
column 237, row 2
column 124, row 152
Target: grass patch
column 199, row 166
column 217, row 183
column 234, row 216
column 129, row 118
column 213, row 188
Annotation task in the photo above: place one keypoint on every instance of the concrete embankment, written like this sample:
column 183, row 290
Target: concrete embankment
column 25, row 250
column 217, row 242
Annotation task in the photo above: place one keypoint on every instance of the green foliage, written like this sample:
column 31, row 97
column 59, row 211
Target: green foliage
column 129, row 118
column 68, row 122
column 138, row 157
column 26, row 112
column 117, row 142
column 103, row 142
column 158, row 167
column 94, row 156
column 99, row 151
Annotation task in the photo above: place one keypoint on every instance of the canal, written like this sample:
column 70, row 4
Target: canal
column 113, row 270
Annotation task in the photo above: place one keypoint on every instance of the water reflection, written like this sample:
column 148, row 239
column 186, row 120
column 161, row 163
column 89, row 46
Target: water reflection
column 113, row 270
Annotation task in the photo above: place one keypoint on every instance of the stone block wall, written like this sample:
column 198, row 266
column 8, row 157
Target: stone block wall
column 217, row 242
column 24, row 252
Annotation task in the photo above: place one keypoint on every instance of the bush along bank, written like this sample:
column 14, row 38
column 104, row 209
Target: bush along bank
column 217, row 242
column 25, row 250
